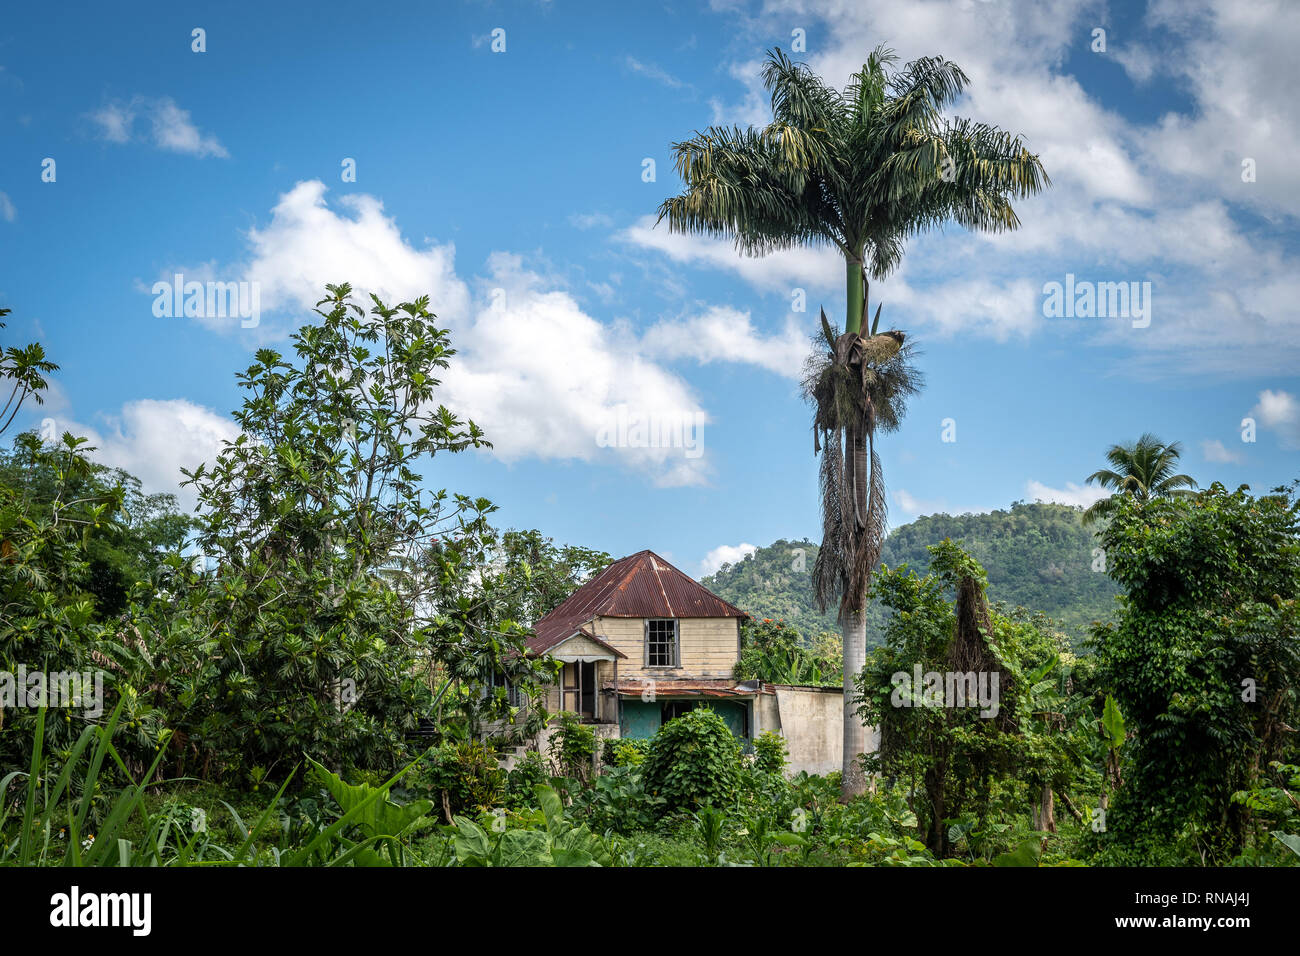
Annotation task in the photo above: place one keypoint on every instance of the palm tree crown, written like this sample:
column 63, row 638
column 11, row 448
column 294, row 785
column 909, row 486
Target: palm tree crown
column 1144, row 469
column 860, row 169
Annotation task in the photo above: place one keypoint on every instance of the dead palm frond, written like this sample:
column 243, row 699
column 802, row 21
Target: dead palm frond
column 858, row 387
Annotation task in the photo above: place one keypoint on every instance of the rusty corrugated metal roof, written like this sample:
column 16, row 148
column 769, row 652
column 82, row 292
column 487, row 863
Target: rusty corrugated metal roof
column 640, row 585
column 722, row 687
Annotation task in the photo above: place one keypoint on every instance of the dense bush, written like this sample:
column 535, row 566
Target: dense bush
column 624, row 751
column 1204, row 663
column 523, row 779
column 573, row 745
column 772, row 651
column 693, row 761
column 458, row 778
column 770, row 753
column 617, row 800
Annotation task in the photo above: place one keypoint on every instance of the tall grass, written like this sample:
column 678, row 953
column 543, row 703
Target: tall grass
column 50, row 826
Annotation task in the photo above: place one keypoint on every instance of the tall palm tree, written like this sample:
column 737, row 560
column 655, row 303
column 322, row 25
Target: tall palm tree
column 1143, row 469
column 859, row 170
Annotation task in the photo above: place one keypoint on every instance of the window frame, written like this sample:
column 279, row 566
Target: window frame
column 676, row 642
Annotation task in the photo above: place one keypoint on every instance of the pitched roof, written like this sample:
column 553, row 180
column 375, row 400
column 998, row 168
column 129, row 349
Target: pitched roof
column 640, row 585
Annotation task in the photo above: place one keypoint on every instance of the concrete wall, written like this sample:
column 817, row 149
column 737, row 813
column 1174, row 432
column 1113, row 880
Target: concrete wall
column 766, row 714
column 812, row 721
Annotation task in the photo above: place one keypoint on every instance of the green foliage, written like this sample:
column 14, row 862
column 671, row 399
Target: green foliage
column 1112, row 722
column 53, row 826
column 966, row 759
column 559, row 842
column 1036, row 556
column 23, row 369
column 772, row 652
column 114, row 539
column 710, row 823
column 1274, row 810
column 528, row 773
column 693, row 761
column 617, row 800
column 1203, row 662
column 314, row 634
column 529, row 574
column 1027, row 853
column 77, row 542
column 573, row 746
column 859, row 168
column 770, row 753
column 623, row 751
column 1142, row 470
column 493, row 586
column 459, row 777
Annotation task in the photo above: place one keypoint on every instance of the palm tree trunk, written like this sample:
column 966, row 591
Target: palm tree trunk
column 853, row 628
column 853, row 288
column 854, row 633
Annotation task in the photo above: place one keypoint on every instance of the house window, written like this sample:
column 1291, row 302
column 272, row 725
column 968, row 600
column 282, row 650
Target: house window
column 661, row 643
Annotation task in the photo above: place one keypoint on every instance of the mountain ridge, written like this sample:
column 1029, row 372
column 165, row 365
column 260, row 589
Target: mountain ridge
column 1037, row 555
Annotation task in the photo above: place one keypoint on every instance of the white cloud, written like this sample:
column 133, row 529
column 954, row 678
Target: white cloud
column 154, row 440
column 914, row 506
column 115, row 121
column 1214, row 451
column 1238, row 61
column 543, row 379
column 590, row 220
column 725, row 554
column 754, row 107
column 780, row 271
column 537, row 373
column 990, row 308
column 307, row 244
column 724, row 334
column 658, row 74
column 1280, row 412
column 7, row 211
column 1071, row 494
column 170, row 127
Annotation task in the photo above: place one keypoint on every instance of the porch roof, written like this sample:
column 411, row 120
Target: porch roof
column 613, row 653
column 722, row 687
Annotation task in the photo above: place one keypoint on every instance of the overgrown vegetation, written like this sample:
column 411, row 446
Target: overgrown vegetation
column 334, row 677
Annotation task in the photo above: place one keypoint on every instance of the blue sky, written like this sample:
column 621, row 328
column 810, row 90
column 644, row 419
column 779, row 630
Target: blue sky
column 511, row 187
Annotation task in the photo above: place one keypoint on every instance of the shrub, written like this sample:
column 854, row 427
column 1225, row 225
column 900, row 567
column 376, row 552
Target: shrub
column 618, row 801
column 574, row 746
column 623, row 752
column 770, row 753
column 693, row 761
column 459, row 777
column 521, row 781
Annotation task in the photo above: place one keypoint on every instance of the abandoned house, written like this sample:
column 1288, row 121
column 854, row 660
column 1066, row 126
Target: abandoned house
column 641, row 643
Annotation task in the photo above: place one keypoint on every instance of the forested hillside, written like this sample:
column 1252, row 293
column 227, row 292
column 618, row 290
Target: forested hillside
column 1037, row 555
